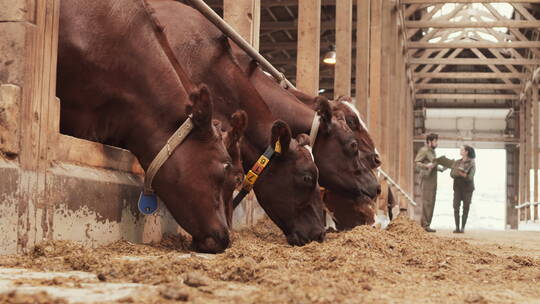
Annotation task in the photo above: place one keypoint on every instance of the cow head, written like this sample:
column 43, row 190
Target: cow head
column 232, row 140
column 336, row 152
column 367, row 151
column 288, row 190
column 350, row 212
column 191, row 182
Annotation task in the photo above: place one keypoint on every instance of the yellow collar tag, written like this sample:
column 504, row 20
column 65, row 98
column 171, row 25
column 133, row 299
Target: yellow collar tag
column 277, row 148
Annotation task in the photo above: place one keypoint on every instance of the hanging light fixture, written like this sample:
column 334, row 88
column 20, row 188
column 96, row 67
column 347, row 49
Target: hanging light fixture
column 330, row 56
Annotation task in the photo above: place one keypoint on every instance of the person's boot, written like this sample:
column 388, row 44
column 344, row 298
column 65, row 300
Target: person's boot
column 456, row 220
column 464, row 221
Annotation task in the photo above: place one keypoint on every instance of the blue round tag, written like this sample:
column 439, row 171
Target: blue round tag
column 147, row 203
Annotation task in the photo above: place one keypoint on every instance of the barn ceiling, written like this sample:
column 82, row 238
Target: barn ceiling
column 467, row 53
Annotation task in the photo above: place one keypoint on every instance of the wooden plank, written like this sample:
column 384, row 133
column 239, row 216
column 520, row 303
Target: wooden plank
column 506, row 140
column 362, row 56
column 535, row 149
column 473, row 61
column 93, row 154
column 463, row 86
column 244, row 17
column 468, row 96
column 518, row 35
column 495, row 68
column 468, row 105
column 528, row 155
column 393, row 103
column 386, row 72
column 472, row 24
column 342, row 75
column 467, row 75
column 521, row 155
column 473, row 44
column 465, row 1
column 309, row 28
column 375, row 71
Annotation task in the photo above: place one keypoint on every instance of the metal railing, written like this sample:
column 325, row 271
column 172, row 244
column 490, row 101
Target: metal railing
column 396, row 185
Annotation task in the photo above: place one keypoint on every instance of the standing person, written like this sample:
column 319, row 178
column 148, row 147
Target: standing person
column 426, row 162
column 463, row 175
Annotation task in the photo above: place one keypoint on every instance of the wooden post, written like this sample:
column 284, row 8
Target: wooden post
column 342, row 71
column 362, row 56
column 394, row 104
column 386, row 71
column 308, row 56
column 535, row 149
column 375, row 72
column 31, row 44
column 521, row 157
column 528, row 151
column 403, row 117
column 244, row 16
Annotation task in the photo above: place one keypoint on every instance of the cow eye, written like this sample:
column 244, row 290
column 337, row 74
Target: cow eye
column 227, row 166
column 354, row 146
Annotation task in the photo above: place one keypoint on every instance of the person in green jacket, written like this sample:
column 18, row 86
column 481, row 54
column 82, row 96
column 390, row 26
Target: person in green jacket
column 427, row 163
column 463, row 174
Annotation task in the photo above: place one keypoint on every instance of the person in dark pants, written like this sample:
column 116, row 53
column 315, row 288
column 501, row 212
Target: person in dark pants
column 427, row 163
column 463, row 174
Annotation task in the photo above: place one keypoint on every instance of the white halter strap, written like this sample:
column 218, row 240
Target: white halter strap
column 174, row 141
column 314, row 129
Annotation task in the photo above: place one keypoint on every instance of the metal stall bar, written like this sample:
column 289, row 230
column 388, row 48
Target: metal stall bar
column 393, row 183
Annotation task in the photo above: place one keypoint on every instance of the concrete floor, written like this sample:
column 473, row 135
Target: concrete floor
column 509, row 242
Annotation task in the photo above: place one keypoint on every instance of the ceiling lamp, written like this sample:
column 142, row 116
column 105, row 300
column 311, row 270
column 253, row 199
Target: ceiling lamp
column 330, row 56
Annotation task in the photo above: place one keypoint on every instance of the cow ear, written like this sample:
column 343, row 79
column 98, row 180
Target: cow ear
column 281, row 137
column 324, row 110
column 238, row 123
column 202, row 109
column 303, row 139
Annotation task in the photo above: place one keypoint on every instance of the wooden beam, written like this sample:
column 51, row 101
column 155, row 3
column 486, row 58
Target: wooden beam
column 309, row 29
column 387, row 67
column 468, row 96
column 362, row 56
column 422, row 138
column 535, row 139
column 528, row 152
column 472, row 24
column 466, row 105
column 272, row 3
column 375, row 71
column 291, row 25
column 468, row 86
column 343, row 69
column 472, row 44
column 473, row 61
column 244, row 16
column 466, row 75
column 465, row 1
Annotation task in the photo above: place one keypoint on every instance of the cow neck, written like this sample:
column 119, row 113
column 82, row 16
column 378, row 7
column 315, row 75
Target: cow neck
column 283, row 104
column 260, row 118
column 162, row 95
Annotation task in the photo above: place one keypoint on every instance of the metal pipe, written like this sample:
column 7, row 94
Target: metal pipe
column 209, row 13
column 391, row 181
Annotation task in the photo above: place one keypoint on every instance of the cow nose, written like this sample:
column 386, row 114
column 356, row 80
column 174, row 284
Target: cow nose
column 214, row 243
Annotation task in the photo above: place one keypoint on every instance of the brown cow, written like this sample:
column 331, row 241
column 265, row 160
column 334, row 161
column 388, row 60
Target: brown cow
column 118, row 86
column 287, row 189
column 350, row 211
column 335, row 148
column 232, row 141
